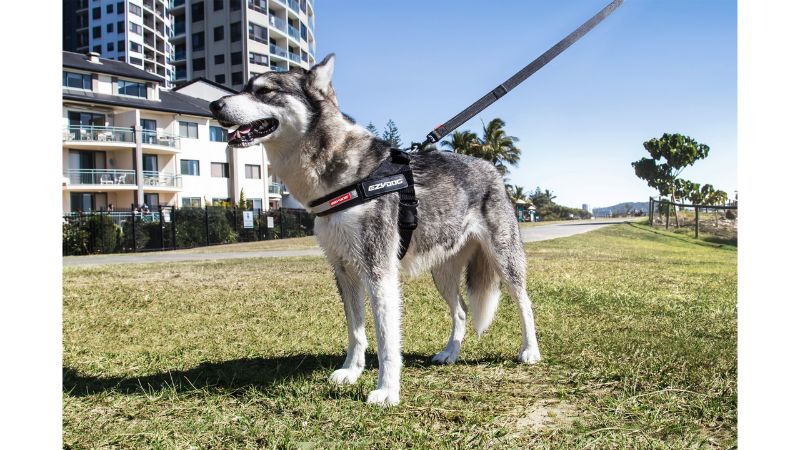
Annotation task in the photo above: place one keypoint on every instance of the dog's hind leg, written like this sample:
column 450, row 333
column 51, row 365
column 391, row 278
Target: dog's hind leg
column 447, row 277
column 509, row 256
column 352, row 292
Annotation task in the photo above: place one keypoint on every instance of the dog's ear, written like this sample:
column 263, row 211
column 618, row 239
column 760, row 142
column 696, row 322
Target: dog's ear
column 320, row 75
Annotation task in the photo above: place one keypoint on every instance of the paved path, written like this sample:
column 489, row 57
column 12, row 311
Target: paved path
column 529, row 234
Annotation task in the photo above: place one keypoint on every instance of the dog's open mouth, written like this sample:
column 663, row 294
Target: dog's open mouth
column 245, row 135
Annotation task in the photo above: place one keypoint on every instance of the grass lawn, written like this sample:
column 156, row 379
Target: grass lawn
column 278, row 244
column 637, row 331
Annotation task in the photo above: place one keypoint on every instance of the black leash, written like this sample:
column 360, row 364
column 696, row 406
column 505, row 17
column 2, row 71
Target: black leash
column 443, row 130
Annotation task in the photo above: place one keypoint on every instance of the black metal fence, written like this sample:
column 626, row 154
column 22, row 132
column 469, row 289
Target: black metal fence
column 170, row 228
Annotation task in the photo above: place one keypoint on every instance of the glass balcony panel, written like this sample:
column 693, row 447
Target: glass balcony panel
column 112, row 177
column 98, row 134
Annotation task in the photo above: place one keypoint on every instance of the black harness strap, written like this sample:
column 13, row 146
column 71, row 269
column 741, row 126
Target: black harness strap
column 392, row 175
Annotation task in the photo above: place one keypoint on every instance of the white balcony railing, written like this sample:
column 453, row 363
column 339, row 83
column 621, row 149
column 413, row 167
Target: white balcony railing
column 161, row 179
column 161, row 137
column 112, row 177
column 98, row 134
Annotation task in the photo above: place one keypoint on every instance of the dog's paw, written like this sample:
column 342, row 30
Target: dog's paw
column 529, row 355
column 446, row 356
column 344, row 376
column 384, row 397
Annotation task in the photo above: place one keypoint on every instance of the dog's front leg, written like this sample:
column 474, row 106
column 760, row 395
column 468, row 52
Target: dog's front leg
column 384, row 293
column 352, row 291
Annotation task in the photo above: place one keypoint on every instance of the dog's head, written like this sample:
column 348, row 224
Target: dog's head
column 276, row 105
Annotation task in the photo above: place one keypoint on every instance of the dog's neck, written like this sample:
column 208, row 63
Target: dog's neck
column 333, row 154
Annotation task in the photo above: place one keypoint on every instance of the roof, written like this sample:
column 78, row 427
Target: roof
column 107, row 66
column 173, row 102
column 205, row 80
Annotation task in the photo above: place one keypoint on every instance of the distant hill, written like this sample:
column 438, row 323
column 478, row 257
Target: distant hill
column 620, row 208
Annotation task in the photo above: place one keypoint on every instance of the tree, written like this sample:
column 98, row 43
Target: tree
column 669, row 155
column 371, row 128
column 464, row 142
column 242, row 200
column 515, row 192
column 498, row 147
column 392, row 135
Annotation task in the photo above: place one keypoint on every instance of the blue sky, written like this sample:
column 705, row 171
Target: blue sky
column 654, row 66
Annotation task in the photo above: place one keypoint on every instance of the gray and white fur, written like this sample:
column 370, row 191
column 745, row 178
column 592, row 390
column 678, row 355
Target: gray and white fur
column 466, row 225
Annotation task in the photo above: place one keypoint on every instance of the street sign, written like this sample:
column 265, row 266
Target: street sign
column 165, row 213
column 248, row 219
column 270, row 222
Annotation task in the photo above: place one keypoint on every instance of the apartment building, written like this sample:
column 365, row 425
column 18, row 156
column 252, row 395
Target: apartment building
column 129, row 141
column 136, row 32
column 230, row 41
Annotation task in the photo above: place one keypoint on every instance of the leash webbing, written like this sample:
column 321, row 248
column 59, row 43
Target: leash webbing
column 501, row 90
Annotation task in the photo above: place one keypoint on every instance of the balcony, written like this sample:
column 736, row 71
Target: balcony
column 111, row 178
column 276, row 188
column 155, row 180
column 294, row 57
column 161, row 138
column 275, row 50
column 278, row 69
column 88, row 133
column 293, row 5
column 252, row 5
column 294, row 32
column 277, row 23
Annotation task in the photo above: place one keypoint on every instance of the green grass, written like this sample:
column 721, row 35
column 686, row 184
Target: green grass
column 637, row 330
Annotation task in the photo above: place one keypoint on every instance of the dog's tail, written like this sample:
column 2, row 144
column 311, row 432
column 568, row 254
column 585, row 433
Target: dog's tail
column 483, row 290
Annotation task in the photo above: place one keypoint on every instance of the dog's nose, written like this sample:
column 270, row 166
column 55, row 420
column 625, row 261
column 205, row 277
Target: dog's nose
column 216, row 106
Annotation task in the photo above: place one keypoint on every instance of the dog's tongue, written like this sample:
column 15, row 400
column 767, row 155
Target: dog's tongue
column 242, row 130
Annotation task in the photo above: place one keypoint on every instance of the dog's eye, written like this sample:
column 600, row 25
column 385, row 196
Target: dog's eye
column 263, row 91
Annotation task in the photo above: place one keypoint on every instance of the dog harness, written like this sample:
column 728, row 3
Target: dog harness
column 393, row 174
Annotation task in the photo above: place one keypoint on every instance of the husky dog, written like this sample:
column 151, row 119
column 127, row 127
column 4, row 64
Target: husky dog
column 466, row 222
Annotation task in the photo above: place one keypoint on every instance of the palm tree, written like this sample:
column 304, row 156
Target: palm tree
column 464, row 142
column 498, row 147
column 515, row 193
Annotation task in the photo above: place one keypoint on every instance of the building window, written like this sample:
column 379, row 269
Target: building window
column 97, row 49
column 258, row 58
column 135, row 47
column 136, row 28
column 190, row 202
column 187, row 129
column 236, row 5
column 110, row 46
column 219, row 78
column 199, row 64
column 236, row 58
column 110, row 28
column 303, row 32
column 257, row 33
column 77, row 80
column 236, row 31
column 190, row 167
column 132, row 88
column 121, row 46
column 236, row 78
column 198, row 12
column 218, row 4
column 219, row 170
column 120, row 7
column 120, row 26
column 252, row 171
column 96, row 13
column 198, row 41
column 97, row 32
column 219, row 59
column 135, row 61
column 217, row 134
column 135, row 9
column 254, row 204
column 219, row 33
